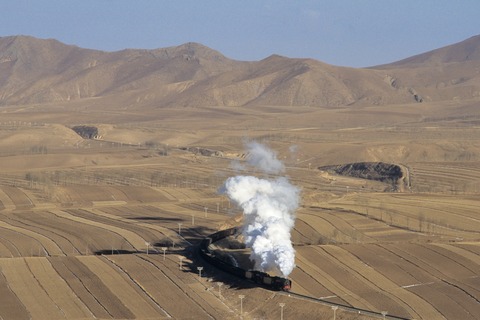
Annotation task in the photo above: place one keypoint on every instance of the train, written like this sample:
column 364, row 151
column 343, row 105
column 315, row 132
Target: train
column 262, row 278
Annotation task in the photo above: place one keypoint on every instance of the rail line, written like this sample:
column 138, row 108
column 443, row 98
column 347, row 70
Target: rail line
column 343, row 306
column 240, row 273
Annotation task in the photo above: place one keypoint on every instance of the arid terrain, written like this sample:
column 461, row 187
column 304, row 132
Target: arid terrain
column 105, row 225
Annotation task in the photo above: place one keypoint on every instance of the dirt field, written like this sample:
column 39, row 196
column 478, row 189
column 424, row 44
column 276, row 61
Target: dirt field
column 84, row 222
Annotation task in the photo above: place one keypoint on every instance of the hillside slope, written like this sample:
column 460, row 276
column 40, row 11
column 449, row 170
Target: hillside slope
column 36, row 71
column 448, row 73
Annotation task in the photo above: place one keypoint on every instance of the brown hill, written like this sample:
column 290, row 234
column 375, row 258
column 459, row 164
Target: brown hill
column 448, row 73
column 34, row 71
column 38, row 71
column 467, row 50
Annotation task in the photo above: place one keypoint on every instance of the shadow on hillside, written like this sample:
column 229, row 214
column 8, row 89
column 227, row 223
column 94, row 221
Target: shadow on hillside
column 214, row 275
column 108, row 252
column 155, row 219
column 189, row 248
column 190, row 237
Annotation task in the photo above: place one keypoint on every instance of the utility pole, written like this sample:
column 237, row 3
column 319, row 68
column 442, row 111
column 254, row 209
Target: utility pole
column 334, row 308
column 384, row 313
column 241, row 296
column 281, row 304
column 148, row 245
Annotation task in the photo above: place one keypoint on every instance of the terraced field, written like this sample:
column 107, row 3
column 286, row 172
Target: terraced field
column 450, row 178
column 409, row 280
column 106, row 230
column 83, row 253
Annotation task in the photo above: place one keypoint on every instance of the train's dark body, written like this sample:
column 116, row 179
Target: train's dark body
column 262, row 278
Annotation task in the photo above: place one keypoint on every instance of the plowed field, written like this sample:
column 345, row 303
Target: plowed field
column 104, row 229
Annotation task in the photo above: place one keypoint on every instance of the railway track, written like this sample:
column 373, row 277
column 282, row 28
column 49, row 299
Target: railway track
column 220, row 235
column 343, row 307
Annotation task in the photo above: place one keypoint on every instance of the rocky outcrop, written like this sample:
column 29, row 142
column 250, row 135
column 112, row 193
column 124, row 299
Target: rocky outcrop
column 86, row 132
column 394, row 175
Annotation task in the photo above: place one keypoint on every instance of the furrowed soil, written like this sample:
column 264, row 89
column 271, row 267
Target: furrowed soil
column 107, row 228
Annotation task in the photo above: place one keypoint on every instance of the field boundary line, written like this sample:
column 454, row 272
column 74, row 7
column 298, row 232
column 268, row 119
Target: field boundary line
column 334, row 284
column 50, row 246
column 6, row 200
column 142, row 288
column 116, row 282
column 191, row 296
column 165, row 231
column 132, row 238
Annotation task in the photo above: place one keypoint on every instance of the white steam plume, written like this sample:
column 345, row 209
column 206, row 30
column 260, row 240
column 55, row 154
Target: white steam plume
column 268, row 207
column 263, row 158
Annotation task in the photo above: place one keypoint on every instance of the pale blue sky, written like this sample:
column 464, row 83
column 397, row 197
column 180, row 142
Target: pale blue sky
column 356, row 33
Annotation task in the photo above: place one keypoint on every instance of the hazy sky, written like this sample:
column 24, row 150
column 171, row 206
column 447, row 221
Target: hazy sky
column 354, row 33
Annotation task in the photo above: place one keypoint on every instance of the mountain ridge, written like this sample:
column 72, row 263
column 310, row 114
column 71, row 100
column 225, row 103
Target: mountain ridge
column 36, row 71
column 466, row 50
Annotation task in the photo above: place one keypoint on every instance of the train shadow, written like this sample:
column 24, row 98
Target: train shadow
column 192, row 261
column 212, row 274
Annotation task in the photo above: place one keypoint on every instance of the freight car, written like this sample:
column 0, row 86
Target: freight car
column 261, row 278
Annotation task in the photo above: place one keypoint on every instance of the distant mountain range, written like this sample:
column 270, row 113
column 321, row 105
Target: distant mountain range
column 36, row 71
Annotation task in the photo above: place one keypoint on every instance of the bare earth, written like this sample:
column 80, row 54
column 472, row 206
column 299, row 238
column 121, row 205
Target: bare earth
column 76, row 215
column 106, row 228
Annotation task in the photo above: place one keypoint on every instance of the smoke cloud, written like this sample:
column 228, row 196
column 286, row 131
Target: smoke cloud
column 263, row 158
column 269, row 212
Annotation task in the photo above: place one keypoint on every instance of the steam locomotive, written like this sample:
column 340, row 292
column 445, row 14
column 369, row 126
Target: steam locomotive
column 261, row 278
